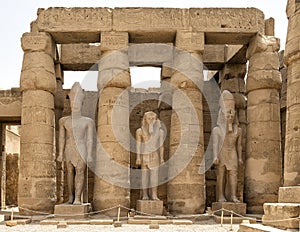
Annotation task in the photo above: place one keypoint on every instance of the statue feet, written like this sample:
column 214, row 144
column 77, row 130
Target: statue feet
column 155, row 198
column 77, row 202
column 145, row 198
column 222, row 199
column 71, row 199
column 235, row 200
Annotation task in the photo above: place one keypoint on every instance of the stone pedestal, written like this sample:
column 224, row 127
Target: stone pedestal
column 150, row 207
column 239, row 208
column 68, row 211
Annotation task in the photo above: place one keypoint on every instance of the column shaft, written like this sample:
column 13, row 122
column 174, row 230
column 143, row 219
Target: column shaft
column 186, row 189
column 37, row 177
column 263, row 158
column 113, row 155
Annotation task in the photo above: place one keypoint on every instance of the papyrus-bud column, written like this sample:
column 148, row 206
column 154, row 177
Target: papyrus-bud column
column 186, row 192
column 37, row 185
column 292, row 60
column 263, row 156
column 113, row 152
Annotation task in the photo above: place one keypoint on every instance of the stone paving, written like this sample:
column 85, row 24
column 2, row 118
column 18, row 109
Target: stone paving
column 125, row 227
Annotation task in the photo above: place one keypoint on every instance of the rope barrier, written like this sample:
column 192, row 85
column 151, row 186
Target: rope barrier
column 48, row 215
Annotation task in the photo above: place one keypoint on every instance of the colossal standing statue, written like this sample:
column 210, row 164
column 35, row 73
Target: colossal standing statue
column 75, row 144
column 150, row 151
column 227, row 148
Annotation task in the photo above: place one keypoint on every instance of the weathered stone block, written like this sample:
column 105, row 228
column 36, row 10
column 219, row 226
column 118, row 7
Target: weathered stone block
column 114, row 41
column 37, row 133
column 80, row 57
column 151, row 54
column 239, row 208
column 68, row 211
column 38, row 98
column 289, row 194
column 280, row 222
column 263, row 79
column 113, row 78
column 73, row 25
column 150, row 207
column 38, row 42
column 140, row 19
column 190, row 41
column 264, row 61
column 270, row 27
column 262, row 43
column 211, row 19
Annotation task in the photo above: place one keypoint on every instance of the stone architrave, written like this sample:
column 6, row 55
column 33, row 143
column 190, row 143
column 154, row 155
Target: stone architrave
column 263, row 157
column 37, row 178
column 113, row 124
column 186, row 191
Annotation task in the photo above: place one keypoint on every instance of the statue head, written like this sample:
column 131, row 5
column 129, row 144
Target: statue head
column 151, row 121
column 227, row 114
column 76, row 97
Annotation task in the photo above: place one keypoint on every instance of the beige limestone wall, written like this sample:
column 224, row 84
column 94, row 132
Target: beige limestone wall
column 263, row 157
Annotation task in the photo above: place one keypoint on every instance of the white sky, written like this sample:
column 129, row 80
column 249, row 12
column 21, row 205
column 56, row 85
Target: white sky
column 16, row 16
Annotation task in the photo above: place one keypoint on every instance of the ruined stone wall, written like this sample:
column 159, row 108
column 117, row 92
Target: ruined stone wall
column 12, row 177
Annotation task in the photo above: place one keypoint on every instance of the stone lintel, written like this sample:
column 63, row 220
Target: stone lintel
column 150, row 207
column 81, row 57
column 262, row 43
column 190, row 41
column 38, row 42
column 114, row 41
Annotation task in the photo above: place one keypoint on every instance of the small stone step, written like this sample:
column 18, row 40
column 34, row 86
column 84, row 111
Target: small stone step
column 283, row 210
column 257, row 228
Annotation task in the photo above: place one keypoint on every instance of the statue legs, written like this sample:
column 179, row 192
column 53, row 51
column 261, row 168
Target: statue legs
column 149, row 178
column 145, row 183
column 79, row 182
column 221, row 171
column 70, row 169
column 154, row 183
column 76, row 187
column 233, row 185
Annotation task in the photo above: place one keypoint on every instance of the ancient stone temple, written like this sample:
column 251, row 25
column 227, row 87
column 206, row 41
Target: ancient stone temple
column 231, row 43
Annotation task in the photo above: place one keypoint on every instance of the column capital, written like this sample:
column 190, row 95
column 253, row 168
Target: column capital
column 190, row 41
column 114, row 41
column 38, row 42
column 262, row 43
